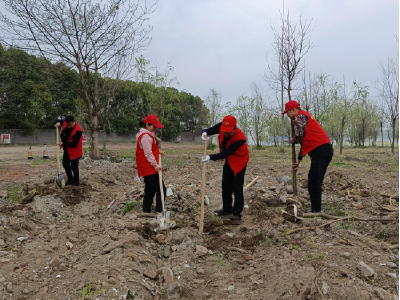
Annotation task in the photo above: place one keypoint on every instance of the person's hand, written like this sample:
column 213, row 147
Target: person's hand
column 291, row 140
column 57, row 124
column 295, row 165
column 159, row 170
column 206, row 160
column 204, row 136
column 161, row 152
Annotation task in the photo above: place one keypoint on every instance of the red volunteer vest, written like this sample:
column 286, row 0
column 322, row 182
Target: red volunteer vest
column 314, row 135
column 238, row 159
column 74, row 152
column 143, row 166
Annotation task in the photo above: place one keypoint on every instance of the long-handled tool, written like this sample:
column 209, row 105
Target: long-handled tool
column 59, row 178
column 163, row 218
column 203, row 185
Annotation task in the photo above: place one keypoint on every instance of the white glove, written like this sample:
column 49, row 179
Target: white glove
column 204, row 136
column 206, row 160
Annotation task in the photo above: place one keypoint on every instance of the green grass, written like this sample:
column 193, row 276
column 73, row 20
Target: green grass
column 220, row 261
column 212, row 146
column 13, row 193
column 129, row 206
column 342, row 165
column 267, row 242
column 39, row 161
column 86, row 291
column 213, row 219
column 327, row 206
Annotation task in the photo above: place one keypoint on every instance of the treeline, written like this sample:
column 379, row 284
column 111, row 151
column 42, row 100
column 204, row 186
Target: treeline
column 34, row 92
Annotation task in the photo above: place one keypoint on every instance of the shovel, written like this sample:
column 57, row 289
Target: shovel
column 163, row 218
column 59, row 178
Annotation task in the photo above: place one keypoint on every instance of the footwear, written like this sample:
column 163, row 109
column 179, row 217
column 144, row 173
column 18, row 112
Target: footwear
column 221, row 212
column 147, row 211
column 234, row 217
column 69, row 183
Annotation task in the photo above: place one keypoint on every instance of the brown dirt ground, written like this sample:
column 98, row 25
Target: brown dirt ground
column 256, row 258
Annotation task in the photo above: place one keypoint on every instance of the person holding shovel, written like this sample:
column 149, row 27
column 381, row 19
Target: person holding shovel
column 147, row 161
column 233, row 148
column 71, row 142
column 315, row 142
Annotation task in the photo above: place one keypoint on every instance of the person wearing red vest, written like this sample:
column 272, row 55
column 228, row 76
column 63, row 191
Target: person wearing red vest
column 147, row 161
column 315, row 142
column 71, row 142
column 233, row 148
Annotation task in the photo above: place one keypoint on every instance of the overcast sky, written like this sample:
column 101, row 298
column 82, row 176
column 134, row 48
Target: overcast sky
column 223, row 43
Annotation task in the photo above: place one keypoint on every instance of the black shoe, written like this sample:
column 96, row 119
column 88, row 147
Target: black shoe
column 69, row 183
column 234, row 217
column 147, row 211
column 221, row 212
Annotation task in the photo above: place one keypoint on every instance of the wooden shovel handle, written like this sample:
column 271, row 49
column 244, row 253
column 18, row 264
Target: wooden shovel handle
column 203, row 184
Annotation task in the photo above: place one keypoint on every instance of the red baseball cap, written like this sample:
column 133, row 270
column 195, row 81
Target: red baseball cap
column 228, row 123
column 290, row 105
column 153, row 119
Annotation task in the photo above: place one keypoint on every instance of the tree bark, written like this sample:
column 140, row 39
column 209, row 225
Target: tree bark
column 94, row 152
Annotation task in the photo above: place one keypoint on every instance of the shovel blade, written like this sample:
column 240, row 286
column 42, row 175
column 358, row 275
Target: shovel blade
column 60, row 181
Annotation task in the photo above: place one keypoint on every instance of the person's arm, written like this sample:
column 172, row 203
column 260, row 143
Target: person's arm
column 228, row 151
column 300, row 124
column 147, row 144
column 212, row 130
column 300, row 157
column 75, row 140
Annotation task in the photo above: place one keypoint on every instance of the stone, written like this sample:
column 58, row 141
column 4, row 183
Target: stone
column 183, row 193
column 55, row 262
column 231, row 289
column 366, row 270
column 80, row 268
column 272, row 188
column 318, row 231
column 283, row 198
column 342, row 199
column 325, row 288
column 393, row 275
column 169, row 192
column 289, row 189
column 168, row 275
column 9, row 287
column 201, row 250
column 285, row 179
column 2, row 278
column 198, row 281
column 150, row 274
column 174, row 290
column 160, row 239
column 3, row 194
column 391, row 265
column 376, row 254
column 167, row 251
column 200, row 271
column 365, row 294
column 379, row 294
column 346, row 254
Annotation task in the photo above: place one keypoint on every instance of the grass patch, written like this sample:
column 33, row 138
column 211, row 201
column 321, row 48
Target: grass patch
column 13, row 193
column 39, row 161
column 129, row 206
column 220, row 261
column 260, row 147
column 86, row 291
column 213, row 219
column 342, row 165
column 327, row 206
column 267, row 242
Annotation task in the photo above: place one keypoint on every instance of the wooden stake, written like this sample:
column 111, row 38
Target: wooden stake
column 203, row 185
column 293, row 161
column 251, row 183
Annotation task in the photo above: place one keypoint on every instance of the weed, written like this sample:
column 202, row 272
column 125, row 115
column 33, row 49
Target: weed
column 131, row 295
column 284, row 242
column 295, row 247
column 327, row 206
column 126, row 156
column 320, row 256
column 259, row 147
column 278, row 210
column 39, row 161
column 212, row 219
column 86, row 291
column 282, row 150
column 13, row 193
column 129, row 206
column 307, row 256
column 267, row 242
column 220, row 261
column 211, row 146
column 345, row 225
column 340, row 213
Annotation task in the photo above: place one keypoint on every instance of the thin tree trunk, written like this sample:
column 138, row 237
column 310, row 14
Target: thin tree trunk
column 394, row 133
column 382, row 132
column 94, row 152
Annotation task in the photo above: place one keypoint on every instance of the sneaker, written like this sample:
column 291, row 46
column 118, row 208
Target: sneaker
column 234, row 217
column 221, row 212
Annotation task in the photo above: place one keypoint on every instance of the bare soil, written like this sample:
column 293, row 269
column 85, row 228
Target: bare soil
column 77, row 243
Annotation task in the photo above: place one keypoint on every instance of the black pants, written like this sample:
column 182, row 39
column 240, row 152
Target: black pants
column 232, row 183
column 152, row 187
column 320, row 159
column 71, row 166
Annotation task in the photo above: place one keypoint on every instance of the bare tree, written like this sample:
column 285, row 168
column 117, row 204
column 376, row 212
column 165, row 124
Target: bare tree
column 388, row 88
column 291, row 43
column 94, row 38
column 213, row 103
